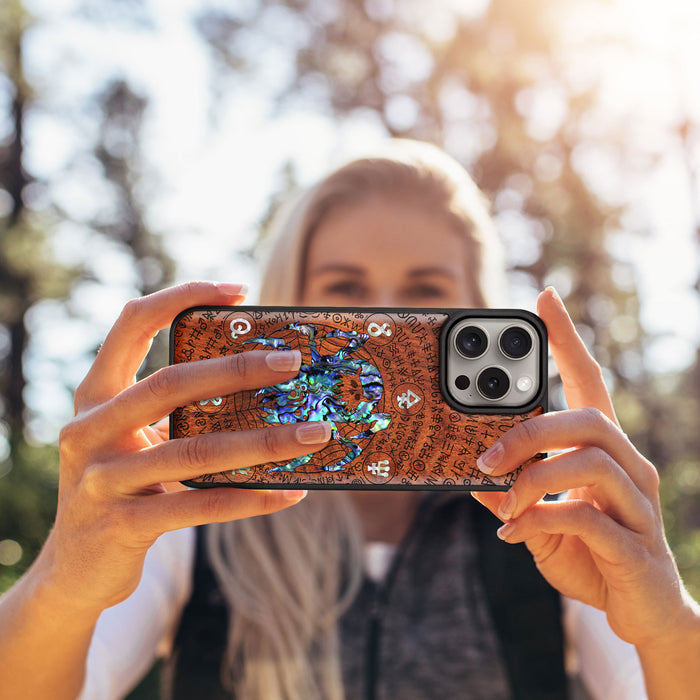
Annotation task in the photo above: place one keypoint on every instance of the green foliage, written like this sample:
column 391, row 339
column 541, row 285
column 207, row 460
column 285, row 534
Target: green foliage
column 661, row 419
column 28, row 492
column 30, row 274
column 680, row 491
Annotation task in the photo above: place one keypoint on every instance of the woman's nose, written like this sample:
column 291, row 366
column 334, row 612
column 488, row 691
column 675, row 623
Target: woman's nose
column 389, row 297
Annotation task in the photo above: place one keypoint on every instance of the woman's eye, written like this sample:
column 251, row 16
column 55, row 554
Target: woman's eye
column 346, row 288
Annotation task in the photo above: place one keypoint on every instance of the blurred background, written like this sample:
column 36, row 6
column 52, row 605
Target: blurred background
column 144, row 142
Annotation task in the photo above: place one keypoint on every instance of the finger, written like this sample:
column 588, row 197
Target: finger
column 580, row 374
column 171, row 511
column 490, row 499
column 188, row 458
column 178, row 385
column 542, row 545
column 589, row 468
column 606, row 538
column 130, row 338
column 582, row 427
column 159, row 431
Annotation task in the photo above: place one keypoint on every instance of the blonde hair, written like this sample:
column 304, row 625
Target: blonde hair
column 432, row 178
column 288, row 577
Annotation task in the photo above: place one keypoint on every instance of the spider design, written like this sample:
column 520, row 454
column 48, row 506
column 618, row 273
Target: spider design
column 322, row 389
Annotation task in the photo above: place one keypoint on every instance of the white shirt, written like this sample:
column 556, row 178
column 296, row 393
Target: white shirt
column 131, row 635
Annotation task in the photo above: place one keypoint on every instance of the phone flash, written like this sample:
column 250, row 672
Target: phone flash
column 524, row 384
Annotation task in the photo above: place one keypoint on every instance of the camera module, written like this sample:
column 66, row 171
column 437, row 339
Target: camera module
column 515, row 342
column 493, row 383
column 471, row 342
column 493, row 361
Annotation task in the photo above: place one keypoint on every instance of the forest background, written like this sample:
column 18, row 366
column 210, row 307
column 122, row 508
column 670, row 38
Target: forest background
column 148, row 142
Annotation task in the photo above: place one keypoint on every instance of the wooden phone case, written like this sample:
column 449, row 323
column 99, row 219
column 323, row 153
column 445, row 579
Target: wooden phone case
column 373, row 373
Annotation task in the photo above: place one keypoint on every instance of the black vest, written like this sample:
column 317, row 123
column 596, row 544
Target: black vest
column 524, row 611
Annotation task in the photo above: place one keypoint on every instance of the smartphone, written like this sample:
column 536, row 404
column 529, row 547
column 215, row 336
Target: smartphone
column 414, row 396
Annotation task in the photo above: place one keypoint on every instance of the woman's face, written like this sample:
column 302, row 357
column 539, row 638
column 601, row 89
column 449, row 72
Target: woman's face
column 386, row 252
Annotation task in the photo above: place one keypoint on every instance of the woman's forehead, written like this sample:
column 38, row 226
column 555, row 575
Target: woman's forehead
column 385, row 232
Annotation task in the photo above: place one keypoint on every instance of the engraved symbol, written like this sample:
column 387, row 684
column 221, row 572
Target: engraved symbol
column 379, row 468
column 215, row 402
column 408, row 399
column 375, row 330
column 239, row 326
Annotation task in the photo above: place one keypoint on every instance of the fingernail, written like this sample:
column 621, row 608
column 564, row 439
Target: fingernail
column 233, row 290
column 507, row 508
column 283, row 360
column 491, row 458
column 505, row 530
column 314, row 432
column 555, row 295
column 294, row 496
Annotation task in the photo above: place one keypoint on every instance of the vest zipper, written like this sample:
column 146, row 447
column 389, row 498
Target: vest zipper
column 372, row 649
column 380, row 596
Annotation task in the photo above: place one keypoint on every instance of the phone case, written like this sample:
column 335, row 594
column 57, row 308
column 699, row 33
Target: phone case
column 374, row 374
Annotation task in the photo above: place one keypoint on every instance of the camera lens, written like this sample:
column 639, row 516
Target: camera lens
column 471, row 342
column 515, row 342
column 493, row 383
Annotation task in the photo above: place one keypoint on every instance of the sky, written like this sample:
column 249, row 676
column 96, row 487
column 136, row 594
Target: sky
column 215, row 168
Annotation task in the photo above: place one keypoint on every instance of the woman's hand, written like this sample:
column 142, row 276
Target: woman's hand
column 112, row 504
column 603, row 543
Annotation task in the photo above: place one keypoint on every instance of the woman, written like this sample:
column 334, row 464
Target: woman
column 405, row 229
